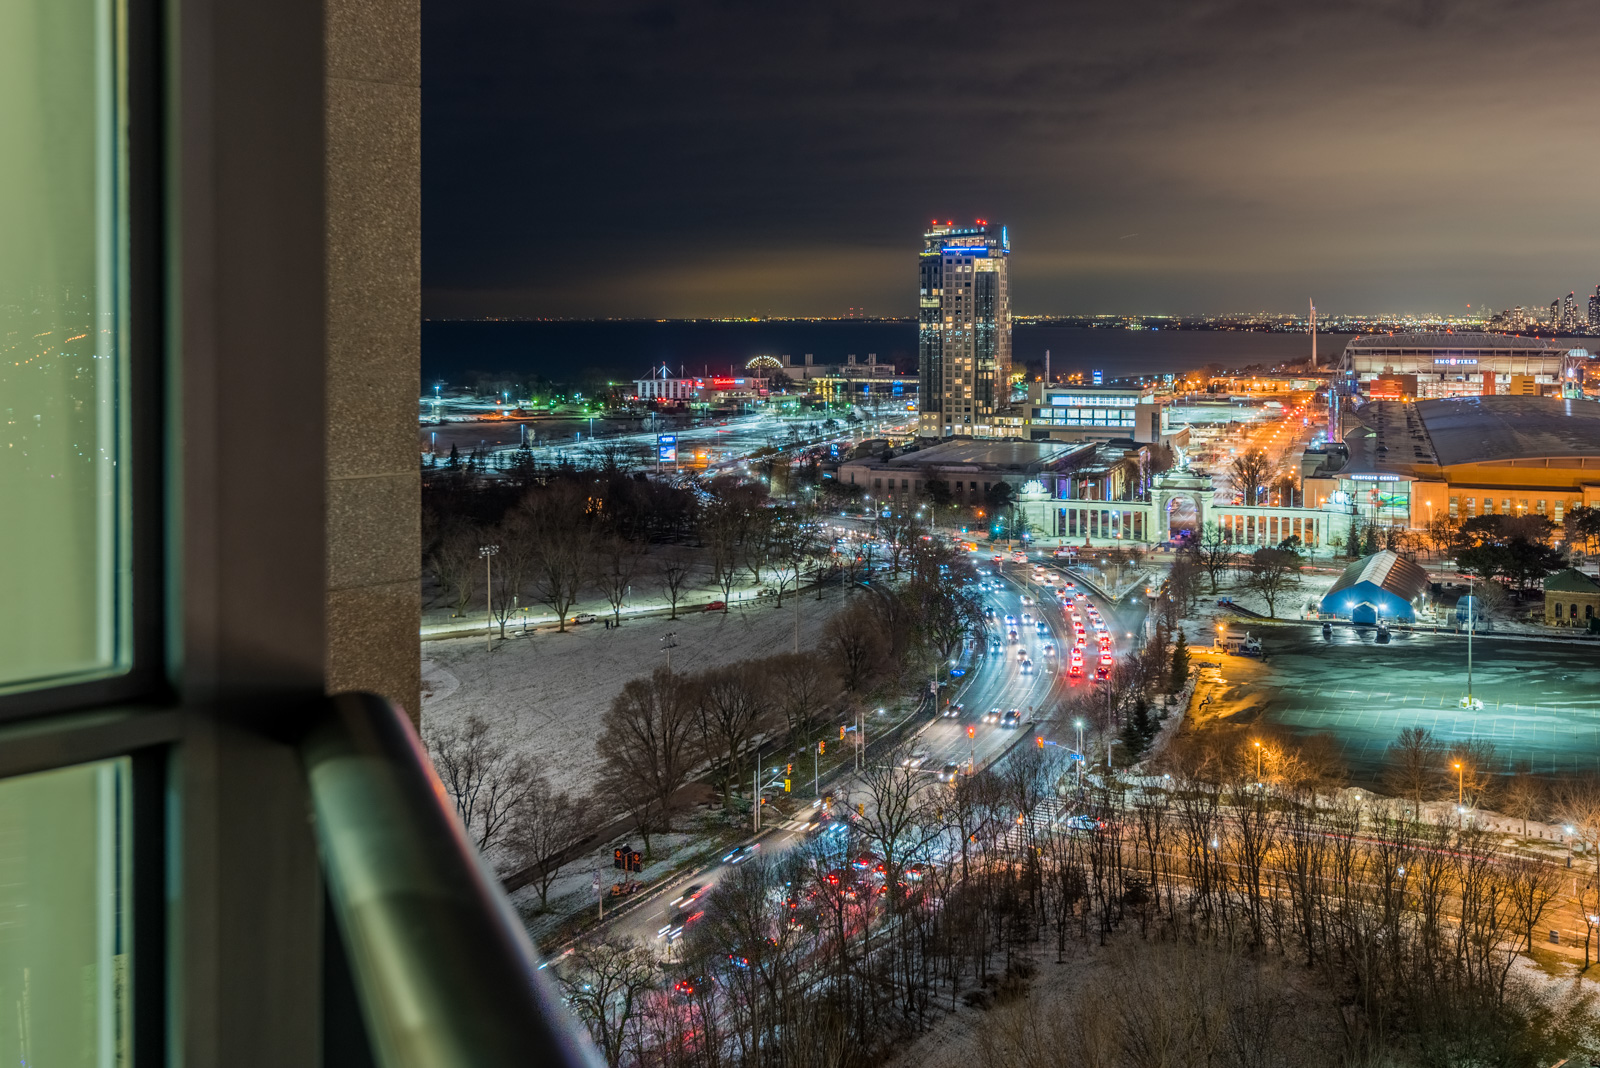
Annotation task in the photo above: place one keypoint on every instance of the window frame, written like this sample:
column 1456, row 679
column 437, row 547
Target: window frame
column 141, row 235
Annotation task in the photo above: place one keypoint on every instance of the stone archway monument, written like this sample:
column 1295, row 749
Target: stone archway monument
column 1188, row 493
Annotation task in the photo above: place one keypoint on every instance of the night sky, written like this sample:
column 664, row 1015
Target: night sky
column 593, row 158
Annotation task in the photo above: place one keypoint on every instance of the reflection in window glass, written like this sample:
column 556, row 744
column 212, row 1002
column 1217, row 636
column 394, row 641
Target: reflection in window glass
column 62, row 568
column 63, row 929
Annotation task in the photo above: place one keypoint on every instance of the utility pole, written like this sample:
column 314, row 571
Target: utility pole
column 816, row 762
column 755, row 807
column 488, row 552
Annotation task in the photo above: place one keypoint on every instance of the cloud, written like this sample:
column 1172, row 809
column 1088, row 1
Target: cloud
column 712, row 157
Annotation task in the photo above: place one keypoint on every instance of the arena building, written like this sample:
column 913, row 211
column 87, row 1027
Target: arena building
column 1402, row 464
column 1395, row 366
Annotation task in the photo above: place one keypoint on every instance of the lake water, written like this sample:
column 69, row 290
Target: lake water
column 455, row 352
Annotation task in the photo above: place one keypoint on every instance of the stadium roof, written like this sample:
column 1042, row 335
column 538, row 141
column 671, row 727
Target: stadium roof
column 1466, row 430
column 1542, row 346
column 1387, row 570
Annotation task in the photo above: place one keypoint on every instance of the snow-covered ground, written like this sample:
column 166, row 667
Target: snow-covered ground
column 549, row 690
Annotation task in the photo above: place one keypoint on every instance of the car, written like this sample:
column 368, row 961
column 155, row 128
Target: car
column 992, row 716
column 740, row 854
column 914, row 759
column 953, row 710
column 1011, row 720
column 716, row 606
column 1101, row 674
column 1011, row 635
column 1076, row 669
column 1081, row 596
column 685, row 989
column 1049, row 649
column 1019, row 558
column 1071, row 586
column 1099, row 624
column 1040, row 627
column 688, row 895
column 1027, row 667
column 1022, row 654
column 1011, row 620
column 672, row 930
column 1027, row 617
column 1084, row 822
column 949, row 772
column 1026, row 599
column 1105, row 658
column 1077, row 643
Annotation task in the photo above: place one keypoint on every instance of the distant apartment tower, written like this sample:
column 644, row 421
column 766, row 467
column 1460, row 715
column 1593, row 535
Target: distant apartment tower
column 1594, row 307
column 964, row 330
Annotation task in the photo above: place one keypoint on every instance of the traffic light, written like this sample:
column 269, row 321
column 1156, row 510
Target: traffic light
column 1040, row 739
column 861, row 809
column 616, row 858
column 971, row 731
column 822, row 747
column 788, row 769
column 841, row 734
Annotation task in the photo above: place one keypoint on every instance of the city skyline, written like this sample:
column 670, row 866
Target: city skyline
column 694, row 164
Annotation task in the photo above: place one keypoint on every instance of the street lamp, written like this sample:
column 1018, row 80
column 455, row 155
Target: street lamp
column 1461, row 788
column 1258, row 762
column 488, row 553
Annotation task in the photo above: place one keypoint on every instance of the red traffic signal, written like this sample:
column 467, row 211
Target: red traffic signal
column 971, row 731
column 1040, row 740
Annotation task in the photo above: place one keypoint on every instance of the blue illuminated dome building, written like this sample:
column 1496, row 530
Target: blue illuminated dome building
column 1383, row 586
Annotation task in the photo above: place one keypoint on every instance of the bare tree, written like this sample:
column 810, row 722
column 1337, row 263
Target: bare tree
column 513, row 562
column 1532, row 885
column 1473, row 766
column 555, row 519
column 1524, row 796
column 488, row 782
column 1577, row 802
column 731, row 705
column 646, row 743
column 897, row 817
column 1272, row 573
column 547, row 824
column 1414, row 765
column 852, row 637
column 456, row 565
column 619, row 559
column 1248, row 474
column 674, row 577
column 605, row 982
column 801, row 687
column 1213, row 554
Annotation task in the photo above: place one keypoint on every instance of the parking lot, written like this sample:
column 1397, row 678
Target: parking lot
column 1541, row 700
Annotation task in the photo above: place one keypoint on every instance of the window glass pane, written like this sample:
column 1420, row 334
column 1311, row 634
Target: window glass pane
column 62, row 569
column 63, row 929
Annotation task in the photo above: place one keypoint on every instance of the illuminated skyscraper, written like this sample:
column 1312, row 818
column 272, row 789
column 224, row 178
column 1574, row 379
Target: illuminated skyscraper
column 1594, row 307
column 964, row 330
